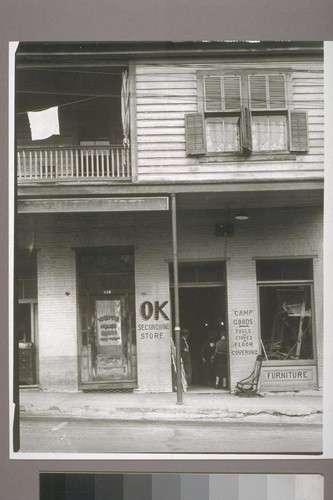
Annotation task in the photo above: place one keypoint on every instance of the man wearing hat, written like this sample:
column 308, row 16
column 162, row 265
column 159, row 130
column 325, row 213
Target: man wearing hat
column 185, row 355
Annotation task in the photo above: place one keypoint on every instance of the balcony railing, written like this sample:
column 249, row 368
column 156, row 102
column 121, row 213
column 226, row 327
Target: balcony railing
column 74, row 163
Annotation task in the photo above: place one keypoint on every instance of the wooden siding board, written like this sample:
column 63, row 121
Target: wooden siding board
column 153, row 111
column 152, row 124
column 166, row 102
column 182, row 160
column 163, row 94
column 146, row 148
column 150, row 116
column 165, row 85
column 176, row 135
column 222, row 169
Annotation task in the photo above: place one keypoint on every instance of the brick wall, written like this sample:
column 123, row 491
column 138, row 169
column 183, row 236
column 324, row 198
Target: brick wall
column 269, row 233
column 57, row 318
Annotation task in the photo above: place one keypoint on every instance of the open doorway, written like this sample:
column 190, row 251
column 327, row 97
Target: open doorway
column 202, row 309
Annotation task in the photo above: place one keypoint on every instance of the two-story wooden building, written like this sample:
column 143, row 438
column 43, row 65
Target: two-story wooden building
column 229, row 135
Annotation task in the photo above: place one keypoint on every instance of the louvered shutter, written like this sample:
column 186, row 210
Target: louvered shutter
column 277, row 92
column 298, row 131
column 267, row 91
column 246, row 130
column 213, row 93
column 222, row 93
column 232, row 93
column 258, row 91
column 194, row 129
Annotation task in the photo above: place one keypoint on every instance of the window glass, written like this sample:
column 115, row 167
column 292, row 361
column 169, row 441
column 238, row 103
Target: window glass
column 222, row 134
column 210, row 272
column 269, row 133
column 105, row 264
column 27, row 288
column 197, row 272
column 284, row 270
column 23, row 323
column 187, row 273
column 26, row 263
column 100, row 283
column 286, row 322
column 20, row 289
column 30, row 288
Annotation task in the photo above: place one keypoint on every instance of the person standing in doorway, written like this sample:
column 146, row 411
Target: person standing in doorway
column 221, row 360
column 208, row 357
column 185, row 355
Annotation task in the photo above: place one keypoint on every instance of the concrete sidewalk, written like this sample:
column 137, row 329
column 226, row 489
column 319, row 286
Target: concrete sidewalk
column 305, row 406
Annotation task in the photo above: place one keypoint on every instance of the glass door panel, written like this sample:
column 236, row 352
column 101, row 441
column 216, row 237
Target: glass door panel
column 108, row 339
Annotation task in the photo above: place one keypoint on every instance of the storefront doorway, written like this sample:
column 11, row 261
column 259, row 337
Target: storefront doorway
column 107, row 319
column 203, row 310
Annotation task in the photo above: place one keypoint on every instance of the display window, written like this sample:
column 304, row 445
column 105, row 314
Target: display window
column 286, row 309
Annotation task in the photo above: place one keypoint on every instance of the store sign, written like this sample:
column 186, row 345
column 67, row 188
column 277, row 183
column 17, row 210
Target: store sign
column 108, row 313
column 288, row 374
column 153, row 311
column 242, row 342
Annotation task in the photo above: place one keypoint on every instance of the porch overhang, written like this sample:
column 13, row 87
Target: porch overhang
column 194, row 196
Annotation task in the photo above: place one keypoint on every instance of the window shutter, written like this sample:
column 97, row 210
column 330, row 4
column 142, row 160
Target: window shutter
column 267, row 91
column 298, row 131
column 222, row 93
column 246, row 130
column 277, row 92
column 258, row 93
column 232, row 93
column 194, row 129
column 213, row 93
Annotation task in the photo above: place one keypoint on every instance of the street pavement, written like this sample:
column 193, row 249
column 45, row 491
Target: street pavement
column 61, row 435
column 213, row 406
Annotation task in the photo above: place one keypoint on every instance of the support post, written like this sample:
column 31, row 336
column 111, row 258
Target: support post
column 176, row 295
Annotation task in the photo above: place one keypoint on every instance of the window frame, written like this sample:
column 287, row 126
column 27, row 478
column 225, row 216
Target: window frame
column 245, row 113
column 288, row 283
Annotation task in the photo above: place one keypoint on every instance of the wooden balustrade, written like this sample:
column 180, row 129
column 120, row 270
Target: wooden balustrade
column 105, row 162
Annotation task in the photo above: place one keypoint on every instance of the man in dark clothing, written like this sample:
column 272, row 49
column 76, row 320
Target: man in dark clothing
column 208, row 357
column 221, row 360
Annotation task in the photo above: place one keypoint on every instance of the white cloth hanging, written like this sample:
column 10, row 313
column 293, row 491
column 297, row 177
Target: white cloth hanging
column 43, row 124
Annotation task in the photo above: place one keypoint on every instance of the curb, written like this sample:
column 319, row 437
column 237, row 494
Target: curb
column 174, row 415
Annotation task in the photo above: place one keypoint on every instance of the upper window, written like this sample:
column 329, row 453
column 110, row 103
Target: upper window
column 244, row 113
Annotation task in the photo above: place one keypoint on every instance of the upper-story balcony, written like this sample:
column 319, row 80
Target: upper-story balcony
column 81, row 163
column 91, row 108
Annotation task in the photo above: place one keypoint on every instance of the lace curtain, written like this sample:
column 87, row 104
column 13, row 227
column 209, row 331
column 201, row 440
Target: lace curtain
column 222, row 134
column 269, row 133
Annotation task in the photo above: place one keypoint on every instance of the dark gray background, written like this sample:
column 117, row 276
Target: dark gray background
column 131, row 20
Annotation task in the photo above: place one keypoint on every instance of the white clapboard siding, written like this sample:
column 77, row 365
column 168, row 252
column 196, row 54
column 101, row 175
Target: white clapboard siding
column 166, row 92
column 162, row 138
column 262, row 175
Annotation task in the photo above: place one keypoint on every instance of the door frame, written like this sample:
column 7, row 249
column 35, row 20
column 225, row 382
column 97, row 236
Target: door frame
column 207, row 284
column 128, row 383
column 82, row 329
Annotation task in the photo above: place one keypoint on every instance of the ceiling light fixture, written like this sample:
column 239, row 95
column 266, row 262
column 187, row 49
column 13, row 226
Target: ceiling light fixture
column 242, row 216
